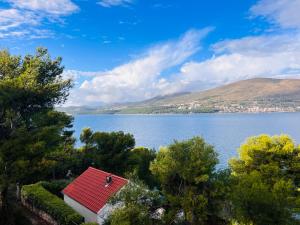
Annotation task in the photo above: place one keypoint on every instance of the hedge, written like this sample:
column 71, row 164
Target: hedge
column 37, row 196
column 55, row 187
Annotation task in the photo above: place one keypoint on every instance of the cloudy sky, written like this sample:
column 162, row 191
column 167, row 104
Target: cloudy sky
column 131, row 50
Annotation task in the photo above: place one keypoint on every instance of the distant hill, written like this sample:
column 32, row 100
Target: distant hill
column 253, row 95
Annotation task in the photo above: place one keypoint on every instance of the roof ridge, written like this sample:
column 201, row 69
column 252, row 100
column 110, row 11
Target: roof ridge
column 90, row 167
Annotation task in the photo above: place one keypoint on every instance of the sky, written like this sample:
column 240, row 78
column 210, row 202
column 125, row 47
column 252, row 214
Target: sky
column 131, row 50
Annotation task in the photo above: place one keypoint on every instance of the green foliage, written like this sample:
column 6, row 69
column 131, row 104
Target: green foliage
column 135, row 193
column 131, row 215
column 266, row 181
column 36, row 143
column 220, row 206
column 138, row 205
column 139, row 162
column 86, row 138
column 55, row 187
column 108, row 151
column 186, row 171
column 31, row 130
column 40, row 198
column 115, row 152
column 72, row 159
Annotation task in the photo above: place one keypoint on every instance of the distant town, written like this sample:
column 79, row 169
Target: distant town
column 254, row 107
column 246, row 96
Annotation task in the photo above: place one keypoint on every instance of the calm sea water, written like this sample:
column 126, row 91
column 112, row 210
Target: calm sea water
column 225, row 131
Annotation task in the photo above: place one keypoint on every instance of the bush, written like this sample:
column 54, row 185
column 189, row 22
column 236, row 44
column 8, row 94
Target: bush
column 39, row 197
column 55, row 187
column 132, row 214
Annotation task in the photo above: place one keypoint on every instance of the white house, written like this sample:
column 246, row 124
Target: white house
column 89, row 194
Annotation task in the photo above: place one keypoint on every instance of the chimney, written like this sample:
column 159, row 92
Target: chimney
column 108, row 180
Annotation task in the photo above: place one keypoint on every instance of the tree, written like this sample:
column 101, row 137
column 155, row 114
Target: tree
column 108, row 151
column 266, row 181
column 115, row 152
column 186, row 171
column 86, row 138
column 30, row 128
column 131, row 215
column 139, row 162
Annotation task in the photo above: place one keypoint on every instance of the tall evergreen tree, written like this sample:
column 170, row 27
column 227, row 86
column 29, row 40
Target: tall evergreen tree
column 30, row 128
column 108, row 151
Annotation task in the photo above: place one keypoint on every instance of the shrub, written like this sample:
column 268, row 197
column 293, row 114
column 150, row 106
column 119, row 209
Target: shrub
column 39, row 197
column 55, row 187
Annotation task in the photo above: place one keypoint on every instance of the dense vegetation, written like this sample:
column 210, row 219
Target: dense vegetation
column 179, row 184
column 42, row 199
column 31, row 130
column 55, row 186
column 260, row 187
column 266, row 181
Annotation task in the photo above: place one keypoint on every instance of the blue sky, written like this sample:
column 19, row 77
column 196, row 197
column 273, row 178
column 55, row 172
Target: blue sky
column 130, row 50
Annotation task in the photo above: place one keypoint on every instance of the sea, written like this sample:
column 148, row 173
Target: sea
column 226, row 132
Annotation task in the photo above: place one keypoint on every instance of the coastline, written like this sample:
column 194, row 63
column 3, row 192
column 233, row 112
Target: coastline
column 182, row 114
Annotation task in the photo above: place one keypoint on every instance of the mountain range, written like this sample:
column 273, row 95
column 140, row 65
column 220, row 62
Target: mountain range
column 253, row 95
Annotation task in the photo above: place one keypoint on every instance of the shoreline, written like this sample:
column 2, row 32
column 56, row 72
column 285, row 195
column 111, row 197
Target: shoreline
column 183, row 114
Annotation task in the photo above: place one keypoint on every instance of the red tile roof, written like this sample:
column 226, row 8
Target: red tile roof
column 89, row 189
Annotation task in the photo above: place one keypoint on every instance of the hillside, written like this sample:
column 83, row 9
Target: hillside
column 254, row 95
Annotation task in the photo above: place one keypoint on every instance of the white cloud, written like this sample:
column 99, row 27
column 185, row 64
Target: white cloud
column 284, row 13
column 12, row 18
column 54, row 7
column 274, row 55
column 263, row 56
column 26, row 18
column 142, row 77
column 76, row 74
column 111, row 3
column 18, row 24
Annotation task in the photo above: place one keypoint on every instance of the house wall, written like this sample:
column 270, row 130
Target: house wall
column 106, row 211
column 88, row 215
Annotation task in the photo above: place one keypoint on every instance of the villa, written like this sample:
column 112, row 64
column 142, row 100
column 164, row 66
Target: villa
column 89, row 194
